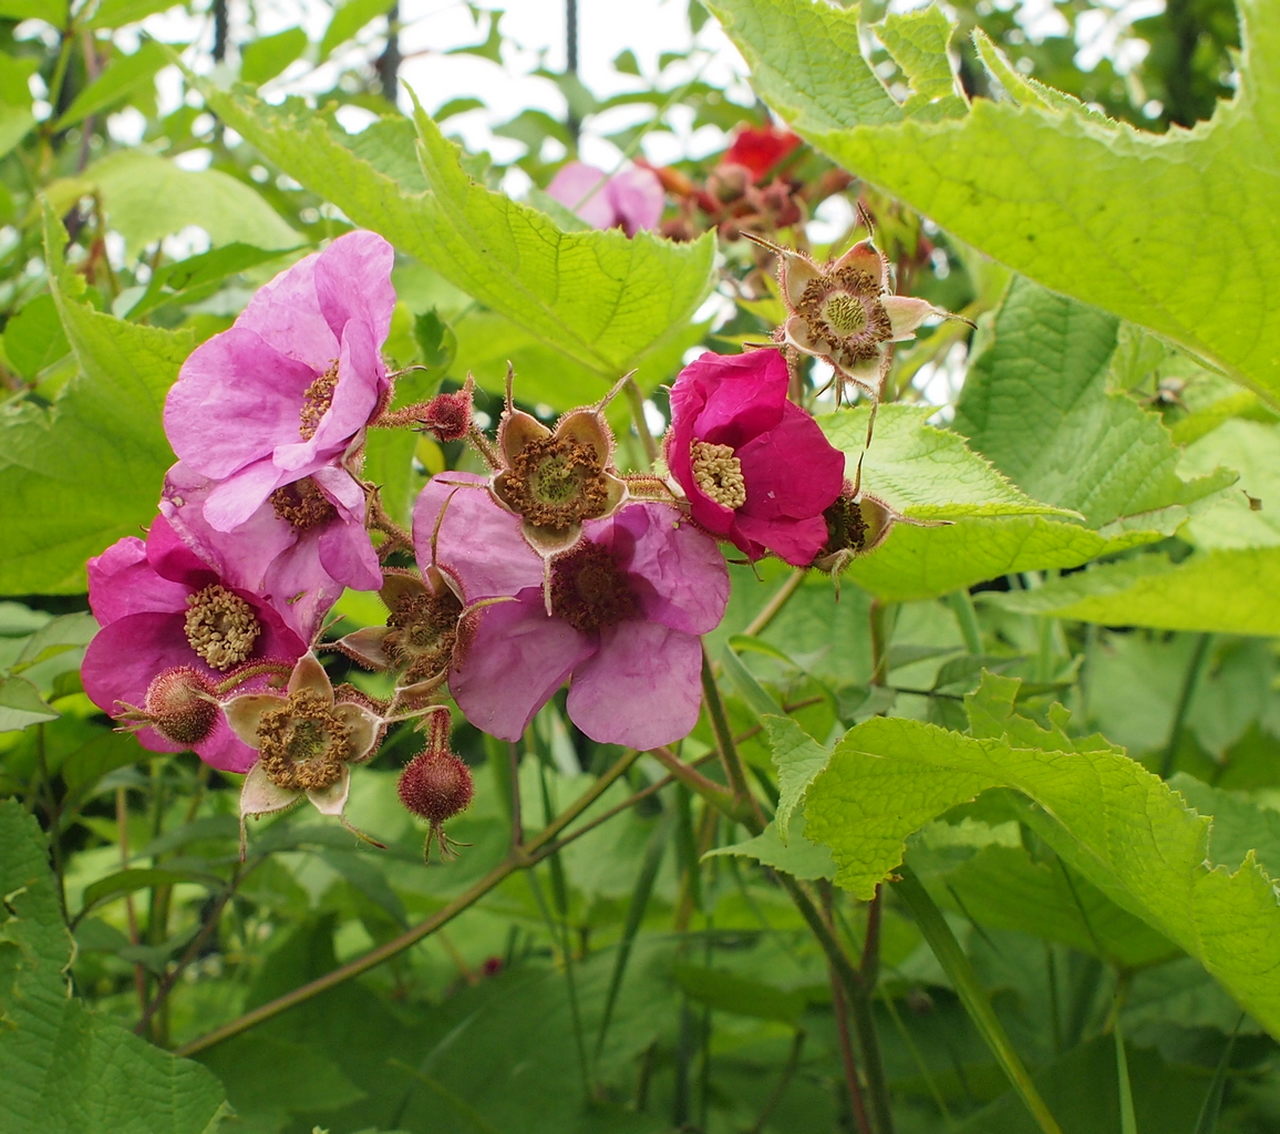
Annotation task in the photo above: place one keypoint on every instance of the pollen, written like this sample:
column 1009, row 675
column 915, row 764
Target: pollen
column 304, row 743
column 302, row 505
column 556, row 482
column 719, row 474
column 845, row 314
column 316, row 400
column 590, row 591
column 221, row 627
column 421, row 632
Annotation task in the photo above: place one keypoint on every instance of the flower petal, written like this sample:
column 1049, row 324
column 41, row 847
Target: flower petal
column 261, row 796
column 513, row 659
column 641, row 689
column 907, row 314
column 332, row 800
column 244, row 714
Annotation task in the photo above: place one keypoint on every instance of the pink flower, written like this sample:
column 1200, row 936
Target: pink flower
column 291, row 386
column 628, row 604
column 756, row 468
column 298, row 550
column 162, row 609
column 631, row 199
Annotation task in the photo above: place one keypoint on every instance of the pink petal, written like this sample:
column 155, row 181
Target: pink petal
column 641, row 689
column 123, row 582
column 792, row 470
column 581, row 188
column 287, row 314
column 637, row 198
column 236, row 378
column 480, row 542
column 514, row 661
column 232, row 502
column 797, row 541
column 353, row 284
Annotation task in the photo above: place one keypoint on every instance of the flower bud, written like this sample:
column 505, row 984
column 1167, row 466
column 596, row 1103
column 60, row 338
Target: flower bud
column 179, row 706
column 447, row 417
column 436, row 785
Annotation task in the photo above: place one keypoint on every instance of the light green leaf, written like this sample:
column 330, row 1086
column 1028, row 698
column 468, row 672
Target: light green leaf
column 1105, row 815
column 64, row 1068
column 797, row 856
column 51, row 11
column 1233, row 522
column 1232, row 591
column 798, row 758
column 1163, row 230
column 348, row 19
column 264, row 58
column 128, row 881
column 21, row 705
column 33, row 338
column 147, row 197
column 81, row 475
column 919, row 42
column 1035, row 402
column 118, row 13
column 607, row 302
column 122, row 76
column 15, row 123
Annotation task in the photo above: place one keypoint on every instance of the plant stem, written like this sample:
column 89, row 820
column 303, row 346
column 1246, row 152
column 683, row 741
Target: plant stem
column 636, row 400
column 532, row 852
column 733, row 769
column 1195, row 667
column 776, row 602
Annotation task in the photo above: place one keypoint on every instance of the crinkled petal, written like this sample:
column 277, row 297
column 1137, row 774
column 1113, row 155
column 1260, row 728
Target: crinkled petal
column 514, row 658
column 641, row 688
column 797, row 541
column 223, row 750
column 237, row 397
column 743, row 394
column 286, row 312
column 123, row 582
column 677, row 570
column 792, row 470
column 231, row 502
column 480, row 543
column 353, row 284
column 126, row 655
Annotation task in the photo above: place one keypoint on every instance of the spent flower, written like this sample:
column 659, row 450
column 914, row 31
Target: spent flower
column 631, row 199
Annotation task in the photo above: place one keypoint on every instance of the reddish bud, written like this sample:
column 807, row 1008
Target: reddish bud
column 436, row 785
column 448, row 416
column 179, row 705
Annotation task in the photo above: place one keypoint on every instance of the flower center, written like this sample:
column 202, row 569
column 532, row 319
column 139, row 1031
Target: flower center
column 421, row 631
column 719, row 474
column 556, row 482
column 316, row 400
column 846, row 526
column 844, row 308
column 589, row 590
column 302, row 504
column 221, row 627
column 304, row 743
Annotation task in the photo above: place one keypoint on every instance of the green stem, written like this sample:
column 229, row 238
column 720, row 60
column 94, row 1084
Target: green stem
column 974, row 997
column 636, row 400
column 1195, row 668
column 776, row 602
column 529, row 854
column 733, row 769
column 961, row 603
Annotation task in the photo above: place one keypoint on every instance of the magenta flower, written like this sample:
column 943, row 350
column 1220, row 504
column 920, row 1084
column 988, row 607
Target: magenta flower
column 630, row 200
column 628, row 604
column 172, row 628
column 756, row 468
column 288, row 389
column 298, row 550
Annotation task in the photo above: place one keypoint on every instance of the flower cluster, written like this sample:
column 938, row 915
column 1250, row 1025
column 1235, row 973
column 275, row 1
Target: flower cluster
column 549, row 568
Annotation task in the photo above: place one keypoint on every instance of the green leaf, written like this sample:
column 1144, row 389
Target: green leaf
column 1106, row 816
column 264, row 58
column 52, row 11
column 118, row 13
column 919, row 42
column 63, row 1067
column 729, row 992
column 796, row 856
column 88, row 471
column 798, row 758
column 1233, row 522
column 606, row 302
column 1035, row 402
column 348, row 19
column 148, row 197
column 21, row 705
column 33, row 338
column 1084, row 205
column 124, row 882
column 1231, row 591
column 120, row 78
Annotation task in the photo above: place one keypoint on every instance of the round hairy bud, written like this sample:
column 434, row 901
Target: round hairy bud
column 447, row 417
column 436, row 785
column 178, row 706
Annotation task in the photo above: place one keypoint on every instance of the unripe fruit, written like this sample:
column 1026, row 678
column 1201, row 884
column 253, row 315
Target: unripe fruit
column 179, row 705
column 436, row 785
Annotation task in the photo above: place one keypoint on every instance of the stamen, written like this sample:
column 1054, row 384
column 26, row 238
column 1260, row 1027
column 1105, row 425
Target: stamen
column 422, row 630
column 302, row 504
column 221, row 627
column 845, row 314
column 316, row 400
column 304, row 743
column 589, row 591
column 556, row 482
column 719, row 474
column 844, row 311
